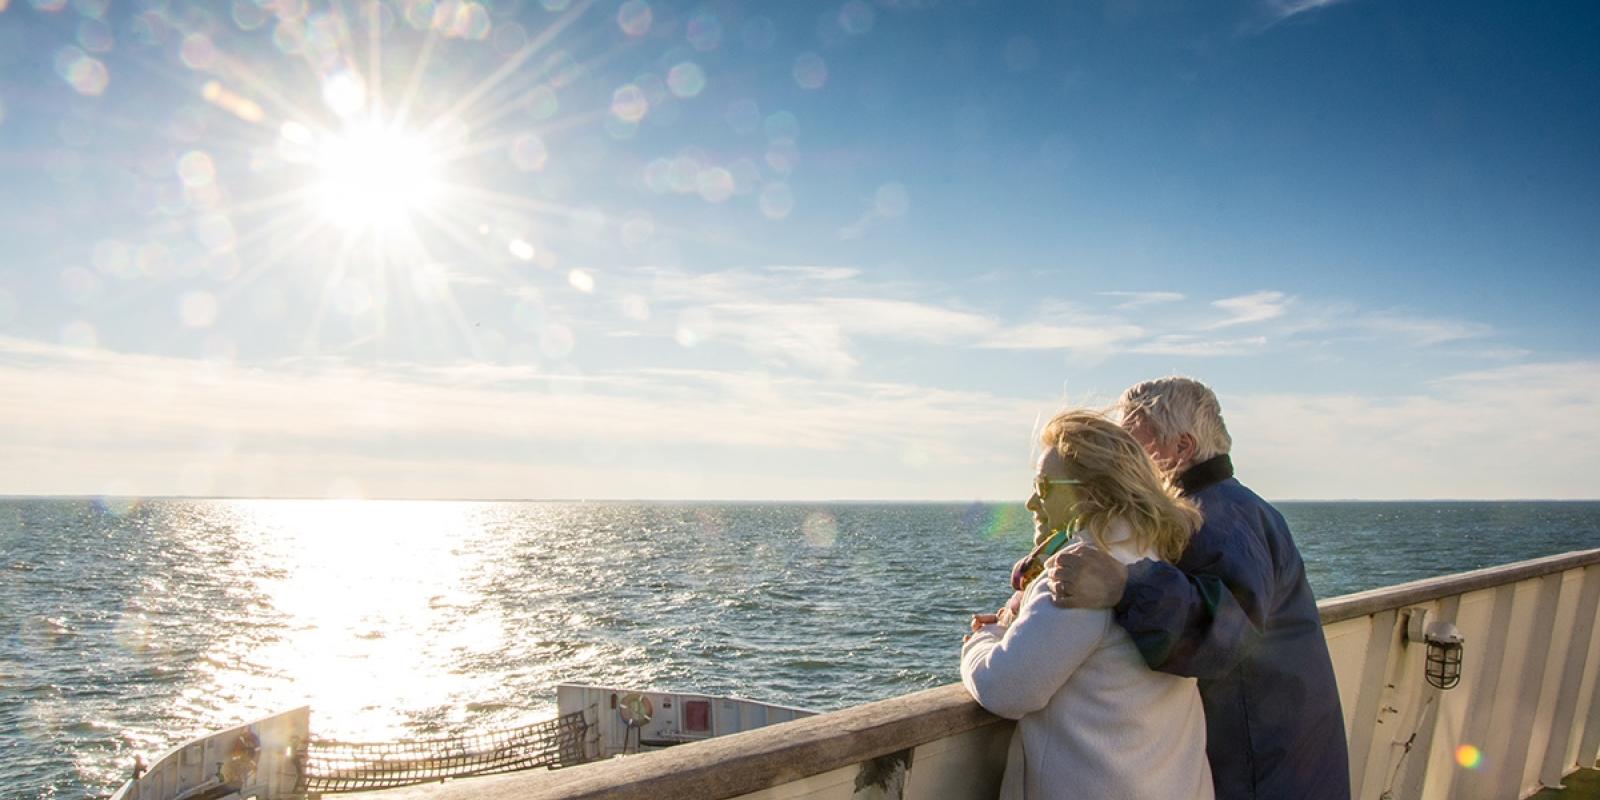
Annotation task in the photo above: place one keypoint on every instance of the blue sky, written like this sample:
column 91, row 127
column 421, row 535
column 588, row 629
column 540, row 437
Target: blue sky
column 834, row 250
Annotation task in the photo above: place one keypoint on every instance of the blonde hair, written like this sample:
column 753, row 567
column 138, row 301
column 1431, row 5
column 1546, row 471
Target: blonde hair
column 1173, row 406
column 1119, row 482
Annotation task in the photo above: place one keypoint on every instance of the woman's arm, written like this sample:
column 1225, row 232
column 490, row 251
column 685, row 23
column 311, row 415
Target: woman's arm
column 1015, row 671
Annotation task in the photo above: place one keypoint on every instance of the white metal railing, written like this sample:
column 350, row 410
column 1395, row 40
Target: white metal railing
column 1527, row 704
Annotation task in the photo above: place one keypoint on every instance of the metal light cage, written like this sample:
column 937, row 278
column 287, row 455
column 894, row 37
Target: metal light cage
column 1443, row 668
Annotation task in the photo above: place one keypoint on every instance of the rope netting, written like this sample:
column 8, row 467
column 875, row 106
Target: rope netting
column 329, row 766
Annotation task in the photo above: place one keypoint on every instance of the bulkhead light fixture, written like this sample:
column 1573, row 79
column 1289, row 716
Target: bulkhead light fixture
column 1444, row 655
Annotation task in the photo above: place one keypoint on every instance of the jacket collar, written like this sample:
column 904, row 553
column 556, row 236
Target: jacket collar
column 1206, row 474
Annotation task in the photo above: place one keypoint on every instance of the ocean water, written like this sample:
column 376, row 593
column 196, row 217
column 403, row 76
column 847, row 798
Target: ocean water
column 127, row 627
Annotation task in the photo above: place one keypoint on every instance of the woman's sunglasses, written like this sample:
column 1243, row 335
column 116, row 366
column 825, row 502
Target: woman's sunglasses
column 1041, row 484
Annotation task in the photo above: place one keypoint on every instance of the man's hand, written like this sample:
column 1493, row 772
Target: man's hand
column 1085, row 577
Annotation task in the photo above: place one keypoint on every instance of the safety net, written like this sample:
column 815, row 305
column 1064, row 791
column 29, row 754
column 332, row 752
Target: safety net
column 331, row 766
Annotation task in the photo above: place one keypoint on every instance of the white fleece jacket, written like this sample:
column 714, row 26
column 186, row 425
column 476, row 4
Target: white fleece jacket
column 1093, row 720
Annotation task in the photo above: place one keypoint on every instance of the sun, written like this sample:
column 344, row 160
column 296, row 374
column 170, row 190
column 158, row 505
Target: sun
column 376, row 176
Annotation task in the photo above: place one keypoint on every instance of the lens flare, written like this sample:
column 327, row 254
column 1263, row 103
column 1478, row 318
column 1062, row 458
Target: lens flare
column 1469, row 756
column 529, row 153
column 196, row 169
column 582, row 281
column 686, row 79
column 776, row 200
column 1003, row 519
column 629, row 103
column 243, row 108
column 856, row 17
column 88, row 76
column 704, row 31
column 197, row 52
column 820, row 529
column 810, row 71
column 634, row 18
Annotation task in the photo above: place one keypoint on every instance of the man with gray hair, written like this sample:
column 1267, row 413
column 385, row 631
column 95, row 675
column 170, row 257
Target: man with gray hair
column 1234, row 612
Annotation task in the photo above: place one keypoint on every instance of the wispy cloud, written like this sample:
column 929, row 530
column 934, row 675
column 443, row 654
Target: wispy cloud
column 1131, row 300
column 1273, row 12
column 1420, row 330
column 1087, row 339
column 901, row 319
column 813, row 318
column 1178, row 344
column 1251, row 308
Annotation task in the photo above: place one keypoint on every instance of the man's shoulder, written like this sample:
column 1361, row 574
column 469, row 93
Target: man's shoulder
column 1231, row 490
column 1236, row 503
column 1234, row 516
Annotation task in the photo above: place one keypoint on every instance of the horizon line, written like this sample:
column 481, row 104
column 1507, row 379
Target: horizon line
column 728, row 501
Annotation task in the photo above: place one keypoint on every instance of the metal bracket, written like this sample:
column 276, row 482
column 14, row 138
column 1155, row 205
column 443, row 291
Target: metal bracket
column 1416, row 624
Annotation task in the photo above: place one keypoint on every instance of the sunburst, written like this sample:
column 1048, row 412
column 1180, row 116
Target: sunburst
column 350, row 188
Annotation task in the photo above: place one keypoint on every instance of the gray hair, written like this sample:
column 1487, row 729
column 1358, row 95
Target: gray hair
column 1173, row 406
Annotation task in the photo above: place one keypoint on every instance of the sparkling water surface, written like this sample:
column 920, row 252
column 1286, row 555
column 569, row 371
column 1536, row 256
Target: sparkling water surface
column 127, row 627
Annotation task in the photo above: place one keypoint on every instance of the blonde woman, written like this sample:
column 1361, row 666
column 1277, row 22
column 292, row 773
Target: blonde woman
column 1093, row 720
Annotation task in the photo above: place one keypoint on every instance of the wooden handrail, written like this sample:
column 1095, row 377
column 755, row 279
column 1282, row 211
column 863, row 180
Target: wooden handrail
column 729, row 766
column 1362, row 604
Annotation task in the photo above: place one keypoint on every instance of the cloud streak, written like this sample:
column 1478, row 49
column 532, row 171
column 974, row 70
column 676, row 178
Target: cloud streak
column 1524, row 431
column 1275, row 12
column 1131, row 300
column 1251, row 308
column 93, row 420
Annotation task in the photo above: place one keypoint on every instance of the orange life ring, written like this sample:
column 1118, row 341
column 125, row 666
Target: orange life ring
column 246, row 748
column 636, row 709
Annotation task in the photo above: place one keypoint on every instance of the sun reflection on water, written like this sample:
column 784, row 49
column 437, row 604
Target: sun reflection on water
column 374, row 601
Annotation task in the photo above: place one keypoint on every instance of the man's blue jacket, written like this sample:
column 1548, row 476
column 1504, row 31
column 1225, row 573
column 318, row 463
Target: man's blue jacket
column 1236, row 613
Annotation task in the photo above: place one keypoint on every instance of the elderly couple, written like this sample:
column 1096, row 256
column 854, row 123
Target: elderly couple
column 1153, row 567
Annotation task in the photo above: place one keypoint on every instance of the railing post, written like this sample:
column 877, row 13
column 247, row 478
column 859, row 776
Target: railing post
column 1514, row 764
column 1373, row 680
column 1486, row 684
column 1555, row 765
column 1590, row 742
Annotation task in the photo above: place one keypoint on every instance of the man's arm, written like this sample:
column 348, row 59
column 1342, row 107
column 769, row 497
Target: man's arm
column 1198, row 623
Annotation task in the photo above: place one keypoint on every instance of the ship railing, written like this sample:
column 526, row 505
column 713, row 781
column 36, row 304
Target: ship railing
column 1524, row 714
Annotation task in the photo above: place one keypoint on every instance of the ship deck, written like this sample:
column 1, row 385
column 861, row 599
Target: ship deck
column 1581, row 785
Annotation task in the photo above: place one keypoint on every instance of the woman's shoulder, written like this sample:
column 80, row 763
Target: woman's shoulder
column 1122, row 543
column 1036, row 600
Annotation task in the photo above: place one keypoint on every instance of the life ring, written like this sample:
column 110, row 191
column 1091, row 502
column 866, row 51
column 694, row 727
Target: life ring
column 246, row 748
column 636, row 709
column 243, row 758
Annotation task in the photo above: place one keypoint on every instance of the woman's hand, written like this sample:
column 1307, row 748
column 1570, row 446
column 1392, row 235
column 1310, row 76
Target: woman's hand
column 980, row 620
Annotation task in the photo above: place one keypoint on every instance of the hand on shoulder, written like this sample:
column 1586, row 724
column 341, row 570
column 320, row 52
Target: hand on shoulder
column 1083, row 576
